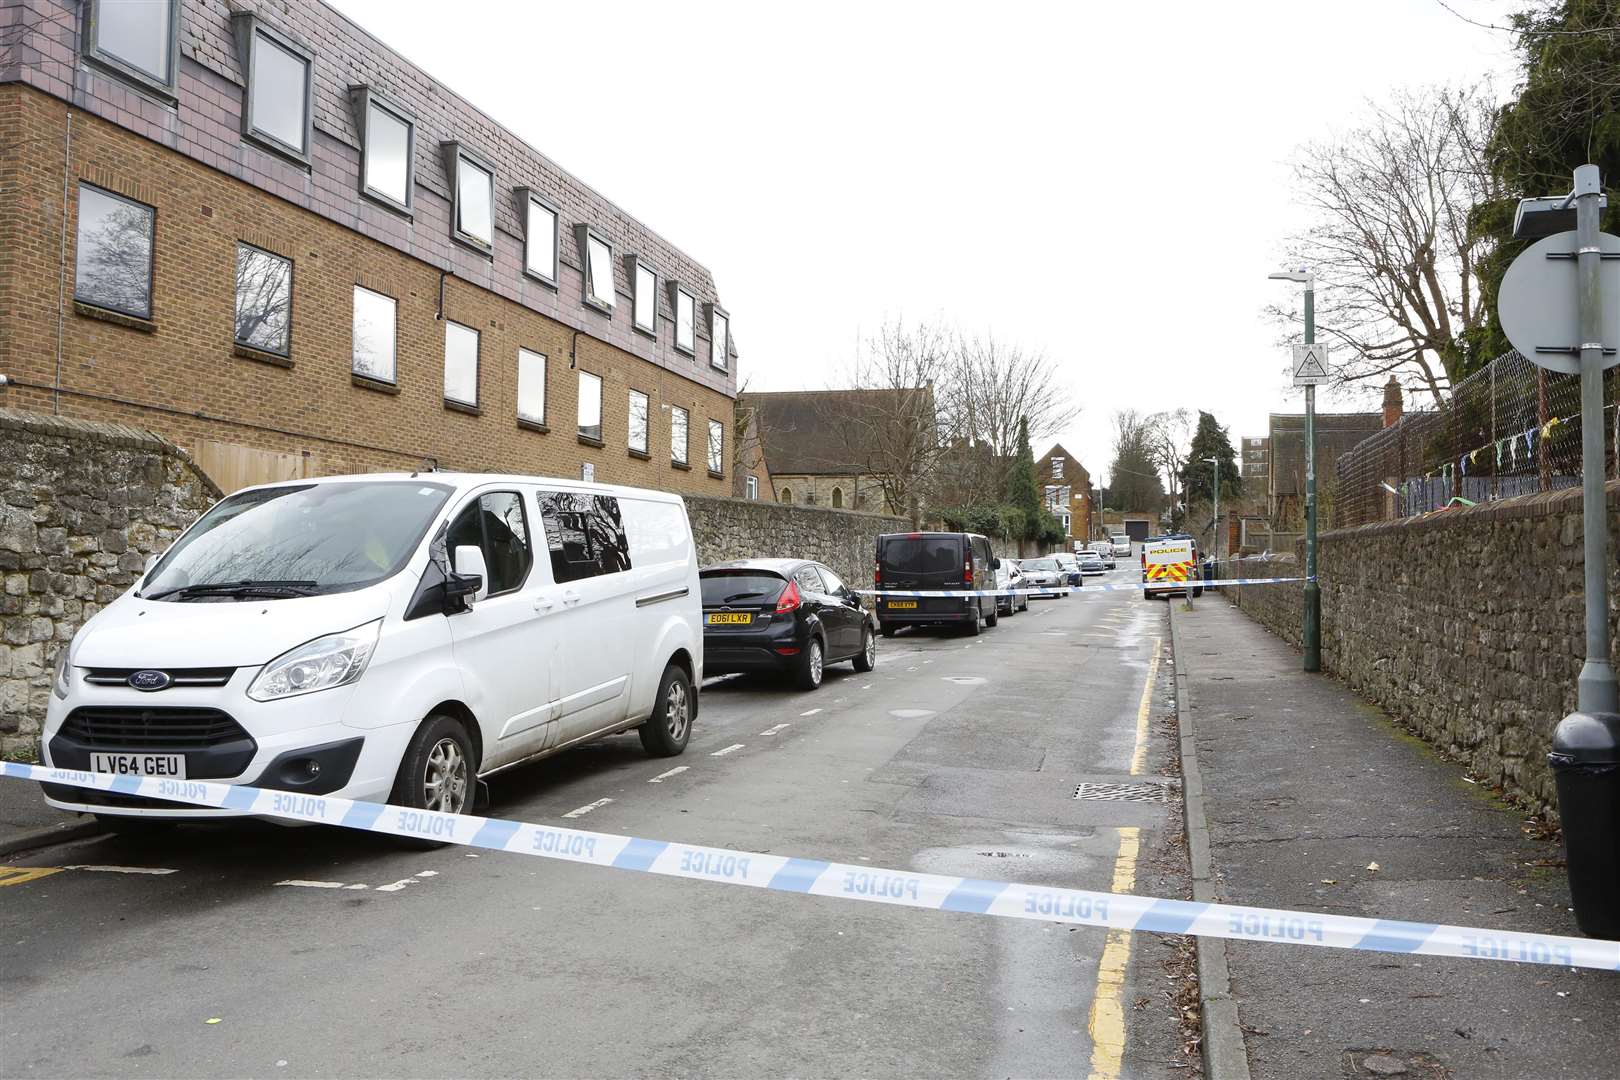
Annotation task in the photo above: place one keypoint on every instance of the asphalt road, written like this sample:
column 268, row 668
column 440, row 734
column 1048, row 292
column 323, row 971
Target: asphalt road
column 958, row 755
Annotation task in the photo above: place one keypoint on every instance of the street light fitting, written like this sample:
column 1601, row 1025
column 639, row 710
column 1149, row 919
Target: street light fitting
column 1538, row 218
column 1304, row 277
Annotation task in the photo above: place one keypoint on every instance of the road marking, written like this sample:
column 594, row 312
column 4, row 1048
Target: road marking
column 122, row 869
column 810, row 712
column 581, row 811
column 727, row 750
column 676, row 771
column 302, row 884
column 16, row 875
column 868, row 686
column 1107, row 1023
column 774, row 730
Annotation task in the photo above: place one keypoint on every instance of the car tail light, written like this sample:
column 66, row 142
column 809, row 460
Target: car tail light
column 967, row 571
column 790, row 599
column 877, row 575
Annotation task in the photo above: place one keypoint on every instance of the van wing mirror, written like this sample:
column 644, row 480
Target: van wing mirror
column 470, row 578
column 995, row 564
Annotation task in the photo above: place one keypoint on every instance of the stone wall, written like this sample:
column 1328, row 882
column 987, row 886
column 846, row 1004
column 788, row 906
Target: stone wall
column 82, row 505
column 738, row 529
column 1468, row 626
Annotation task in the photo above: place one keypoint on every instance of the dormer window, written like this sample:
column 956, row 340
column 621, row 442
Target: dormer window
column 388, row 149
column 473, row 210
column 280, row 76
column 136, row 41
column 645, row 279
column 539, row 236
column 598, row 257
column 719, row 338
column 685, row 321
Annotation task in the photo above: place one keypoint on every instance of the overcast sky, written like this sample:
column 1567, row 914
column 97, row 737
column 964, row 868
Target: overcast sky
column 1104, row 182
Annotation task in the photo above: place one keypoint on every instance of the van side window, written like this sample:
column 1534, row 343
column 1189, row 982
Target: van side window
column 496, row 524
column 585, row 534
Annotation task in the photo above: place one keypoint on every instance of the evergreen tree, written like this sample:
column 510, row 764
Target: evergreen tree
column 1210, row 441
column 1022, row 492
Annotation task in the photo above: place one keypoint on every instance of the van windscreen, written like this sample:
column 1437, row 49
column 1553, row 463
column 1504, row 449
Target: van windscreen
column 922, row 554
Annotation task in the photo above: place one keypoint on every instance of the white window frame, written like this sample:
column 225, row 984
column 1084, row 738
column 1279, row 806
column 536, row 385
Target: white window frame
column 719, row 341
column 1057, row 468
column 684, row 457
column 751, row 487
column 590, row 241
column 644, row 286
column 529, row 419
column 478, row 347
column 646, row 421
column 254, row 34
column 455, row 153
column 366, row 99
column 393, row 337
column 716, row 456
column 579, row 405
column 164, row 83
column 533, row 202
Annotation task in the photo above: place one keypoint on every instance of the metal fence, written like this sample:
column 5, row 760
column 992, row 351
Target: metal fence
column 1509, row 429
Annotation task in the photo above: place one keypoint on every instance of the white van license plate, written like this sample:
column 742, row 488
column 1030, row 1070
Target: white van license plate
column 169, row 765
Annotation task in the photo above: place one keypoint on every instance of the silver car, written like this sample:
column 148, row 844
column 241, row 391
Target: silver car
column 1043, row 577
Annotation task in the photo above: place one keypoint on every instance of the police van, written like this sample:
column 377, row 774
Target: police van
column 390, row 638
column 1170, row 565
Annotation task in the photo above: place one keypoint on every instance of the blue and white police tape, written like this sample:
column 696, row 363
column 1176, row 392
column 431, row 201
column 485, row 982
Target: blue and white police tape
column 1133, row 586
column 850, row 882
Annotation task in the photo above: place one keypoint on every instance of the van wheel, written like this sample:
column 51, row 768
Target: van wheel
column 993, row 618
column 973, row 627
column 436, row 773
column 666, row 731
column 811, row 662
column 866, row 659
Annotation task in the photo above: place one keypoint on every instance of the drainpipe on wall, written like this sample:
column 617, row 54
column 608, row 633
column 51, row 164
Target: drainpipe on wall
column 61, row 272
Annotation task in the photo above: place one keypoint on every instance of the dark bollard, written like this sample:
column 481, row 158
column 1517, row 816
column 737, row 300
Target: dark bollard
column 1585, row 760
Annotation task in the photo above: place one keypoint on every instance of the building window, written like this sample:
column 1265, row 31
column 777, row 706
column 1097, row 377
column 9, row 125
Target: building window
column 276, row 113
column 473, row 220
column 717, row 446
column 838, row 497
column 263, row 300
column 460, row 364
column 719, row 327
column 531, row 387
column 590, row 406
column 646, row 306
column 787, row 495
column 677, row 434
column 598, row 270
column 539, row 238
column 137, row 40
column 388, row 157
column 638, row 421
column 751, row 485
column 114, row 257
column 373, row 335
column 1057, row 468
column 685, row 322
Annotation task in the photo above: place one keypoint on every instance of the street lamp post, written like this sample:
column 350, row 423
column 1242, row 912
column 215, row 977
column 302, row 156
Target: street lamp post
column 1215, row 530
column 1311, row 637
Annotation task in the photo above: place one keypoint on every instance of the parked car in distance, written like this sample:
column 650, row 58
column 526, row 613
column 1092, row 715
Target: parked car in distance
column 1009, row 577
column 1122, row 546
column 789, row 616
column 1091, row 563
column 388, row 638
column 1043, row 576
column 932, row 562
column 1069, row 564
column 1104, row 551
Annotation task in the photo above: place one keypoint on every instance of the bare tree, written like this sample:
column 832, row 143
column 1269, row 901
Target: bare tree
column 994, row 385
column 1391, row 246
column 1133, row 477
column 1170, row 435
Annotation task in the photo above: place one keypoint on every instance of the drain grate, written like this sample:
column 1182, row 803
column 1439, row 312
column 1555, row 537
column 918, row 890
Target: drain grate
column 1122, row 792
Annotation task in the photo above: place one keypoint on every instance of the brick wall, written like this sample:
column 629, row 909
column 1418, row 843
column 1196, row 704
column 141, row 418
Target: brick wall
column 1467, row 626
column 82, row 505
column 182, row 378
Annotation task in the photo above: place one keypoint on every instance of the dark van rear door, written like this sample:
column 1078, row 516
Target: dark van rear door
column 925, row 562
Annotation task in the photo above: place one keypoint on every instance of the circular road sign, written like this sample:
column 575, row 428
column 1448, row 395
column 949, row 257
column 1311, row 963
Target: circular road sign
column 1538, row 308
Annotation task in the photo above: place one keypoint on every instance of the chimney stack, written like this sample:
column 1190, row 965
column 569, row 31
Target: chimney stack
column 1392, row 402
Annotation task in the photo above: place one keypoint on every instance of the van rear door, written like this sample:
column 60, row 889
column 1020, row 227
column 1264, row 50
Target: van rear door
column 924, row 562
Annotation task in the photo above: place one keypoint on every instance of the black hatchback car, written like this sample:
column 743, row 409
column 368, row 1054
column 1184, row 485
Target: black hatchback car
column 789, row 616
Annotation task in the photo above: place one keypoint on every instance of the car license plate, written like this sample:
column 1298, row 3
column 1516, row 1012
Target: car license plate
column 170, row 765
column 724, row 617
column 895, row 604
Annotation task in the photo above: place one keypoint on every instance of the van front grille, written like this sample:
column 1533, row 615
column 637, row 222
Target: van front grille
column 133, row 728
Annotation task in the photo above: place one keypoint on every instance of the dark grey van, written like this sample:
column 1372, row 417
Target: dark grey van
column 932, row 561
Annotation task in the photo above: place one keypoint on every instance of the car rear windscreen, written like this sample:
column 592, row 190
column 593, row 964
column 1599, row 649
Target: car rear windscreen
column 922, row 554
column 740, row 587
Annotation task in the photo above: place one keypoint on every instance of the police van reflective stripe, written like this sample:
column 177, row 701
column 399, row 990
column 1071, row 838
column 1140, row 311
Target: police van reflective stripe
column 1169, row 564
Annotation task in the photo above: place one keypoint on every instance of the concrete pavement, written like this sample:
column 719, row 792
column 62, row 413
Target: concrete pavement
column 1317, row 801
column 327, row 953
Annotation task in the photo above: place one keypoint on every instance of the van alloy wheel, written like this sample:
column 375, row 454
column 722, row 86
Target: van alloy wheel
column 677, row 710
column 444, row 785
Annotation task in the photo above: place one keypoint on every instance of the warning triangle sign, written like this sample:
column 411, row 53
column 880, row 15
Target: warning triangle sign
column 1310, row 364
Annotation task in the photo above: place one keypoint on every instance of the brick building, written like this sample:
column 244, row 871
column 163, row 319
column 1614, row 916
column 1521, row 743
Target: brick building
column 1066, row 490
column 259, row 231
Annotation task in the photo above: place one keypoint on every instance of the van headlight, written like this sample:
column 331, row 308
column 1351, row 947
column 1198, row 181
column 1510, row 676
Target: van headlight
column 59, row 677
column 334, row 660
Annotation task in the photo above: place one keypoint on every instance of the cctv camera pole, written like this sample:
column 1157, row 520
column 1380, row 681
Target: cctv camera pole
column 1312, row 628
column 1595, row 689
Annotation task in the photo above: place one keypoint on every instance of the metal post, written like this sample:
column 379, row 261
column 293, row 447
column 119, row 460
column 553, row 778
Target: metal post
column 1312, row 628
column 1595, row 690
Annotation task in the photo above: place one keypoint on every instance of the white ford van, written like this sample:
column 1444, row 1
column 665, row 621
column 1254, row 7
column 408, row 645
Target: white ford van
column 385, row 637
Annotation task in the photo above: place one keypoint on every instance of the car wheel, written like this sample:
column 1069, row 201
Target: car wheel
column 811, row 662
column 666, row 731
column 436, row 773
column 866, row 659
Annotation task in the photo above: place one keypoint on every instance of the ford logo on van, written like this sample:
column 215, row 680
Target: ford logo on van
column 150, row 680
